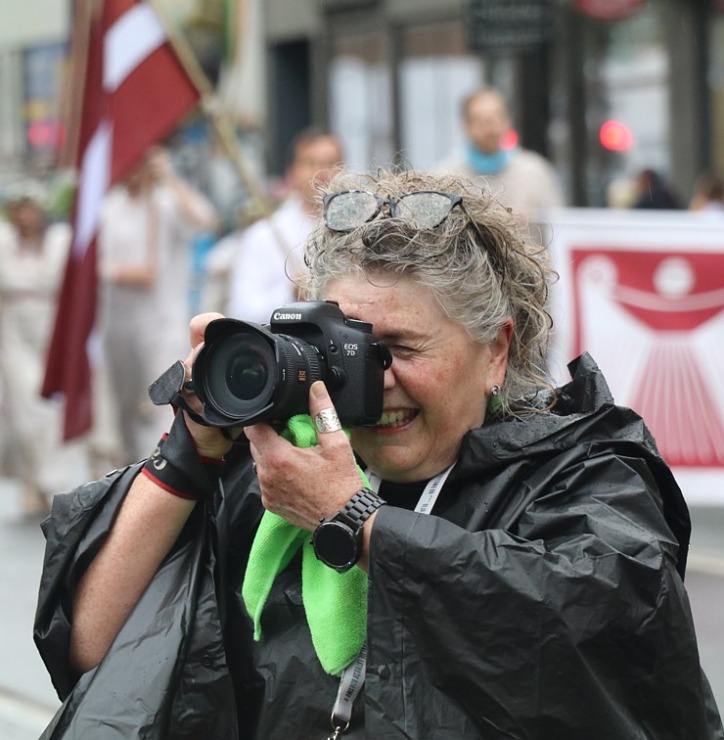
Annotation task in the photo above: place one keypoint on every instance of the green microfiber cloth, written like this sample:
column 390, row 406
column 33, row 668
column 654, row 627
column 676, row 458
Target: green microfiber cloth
column 335, row 603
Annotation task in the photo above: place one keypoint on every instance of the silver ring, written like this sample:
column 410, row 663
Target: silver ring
column 327, row 421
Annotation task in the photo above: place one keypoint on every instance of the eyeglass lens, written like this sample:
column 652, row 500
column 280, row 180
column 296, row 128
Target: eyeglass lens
column 424, row 210
column 347, row 211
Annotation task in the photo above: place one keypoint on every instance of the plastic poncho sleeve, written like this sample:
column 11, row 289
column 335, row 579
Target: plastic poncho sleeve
column 165, row 673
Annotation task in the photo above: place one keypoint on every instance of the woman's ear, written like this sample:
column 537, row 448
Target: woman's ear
column 499, row 348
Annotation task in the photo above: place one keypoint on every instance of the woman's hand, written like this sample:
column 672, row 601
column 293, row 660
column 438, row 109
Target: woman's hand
column 304, row 485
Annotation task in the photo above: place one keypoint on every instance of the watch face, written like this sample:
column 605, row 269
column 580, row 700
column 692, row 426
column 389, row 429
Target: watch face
column 335, row 545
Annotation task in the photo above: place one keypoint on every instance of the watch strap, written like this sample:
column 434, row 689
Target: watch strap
column 359, row 508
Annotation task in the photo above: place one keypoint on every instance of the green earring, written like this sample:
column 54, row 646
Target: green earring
column 495, row 402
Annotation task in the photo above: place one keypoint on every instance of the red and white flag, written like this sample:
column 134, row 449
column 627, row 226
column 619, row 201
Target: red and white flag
column 135, row 93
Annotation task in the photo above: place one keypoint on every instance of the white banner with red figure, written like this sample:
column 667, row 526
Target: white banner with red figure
column 643, row 293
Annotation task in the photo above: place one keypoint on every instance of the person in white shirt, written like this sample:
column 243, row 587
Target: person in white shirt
column 145, row 237
column 33, row 253
column 266, row 258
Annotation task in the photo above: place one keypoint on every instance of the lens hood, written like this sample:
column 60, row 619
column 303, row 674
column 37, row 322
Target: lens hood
column 245, row 373
column 235, row 373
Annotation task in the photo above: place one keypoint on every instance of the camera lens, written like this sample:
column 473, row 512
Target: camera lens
column 240, row 375
column 247, row 373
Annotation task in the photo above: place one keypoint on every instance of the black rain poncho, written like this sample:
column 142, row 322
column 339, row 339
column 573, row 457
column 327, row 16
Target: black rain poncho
column 542, row 599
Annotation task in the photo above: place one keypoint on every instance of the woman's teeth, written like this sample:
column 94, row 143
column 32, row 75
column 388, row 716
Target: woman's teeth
column 395, row 418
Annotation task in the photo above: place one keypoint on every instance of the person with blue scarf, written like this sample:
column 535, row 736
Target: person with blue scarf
column 524, row 180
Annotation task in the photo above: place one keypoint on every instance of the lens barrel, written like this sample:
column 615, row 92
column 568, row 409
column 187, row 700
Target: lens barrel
column 244, row 374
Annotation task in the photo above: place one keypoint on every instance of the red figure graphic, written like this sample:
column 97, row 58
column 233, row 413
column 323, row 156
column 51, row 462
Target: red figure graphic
column 655, row 322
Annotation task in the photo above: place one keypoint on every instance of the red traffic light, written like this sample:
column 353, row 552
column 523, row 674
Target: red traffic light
column 615, row 136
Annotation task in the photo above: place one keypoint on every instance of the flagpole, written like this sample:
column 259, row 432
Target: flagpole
column 209, row 105
column 74, row 79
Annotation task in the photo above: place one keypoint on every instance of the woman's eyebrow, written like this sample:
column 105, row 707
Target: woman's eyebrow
column 395, row 335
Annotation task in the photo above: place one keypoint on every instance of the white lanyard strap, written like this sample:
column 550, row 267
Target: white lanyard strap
column 429, row 495
column 353, row 676
column 350, row 683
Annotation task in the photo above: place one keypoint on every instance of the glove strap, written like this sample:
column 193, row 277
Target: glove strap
column 176, row 466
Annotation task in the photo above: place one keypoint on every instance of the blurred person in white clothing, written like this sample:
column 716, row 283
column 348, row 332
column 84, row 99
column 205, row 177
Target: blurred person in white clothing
column 266, row 265
column 145, row 241
column 33, row 253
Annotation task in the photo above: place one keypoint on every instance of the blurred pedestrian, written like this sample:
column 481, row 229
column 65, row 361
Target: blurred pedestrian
column 708, row 195
column 145, row 240
column 33, row 252
column 654, row 192
column 621, row 193
column 523, row 180
column 266, row 259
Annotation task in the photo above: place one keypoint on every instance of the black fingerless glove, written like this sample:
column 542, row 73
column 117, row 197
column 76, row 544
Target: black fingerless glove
column 177, row 467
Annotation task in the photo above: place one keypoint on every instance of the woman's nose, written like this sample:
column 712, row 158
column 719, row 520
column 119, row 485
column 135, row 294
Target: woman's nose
column 389, row 379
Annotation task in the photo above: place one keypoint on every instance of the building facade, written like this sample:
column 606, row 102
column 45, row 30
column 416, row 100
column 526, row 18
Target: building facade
column 603, row 98
column 604, row 88
column 33, row 49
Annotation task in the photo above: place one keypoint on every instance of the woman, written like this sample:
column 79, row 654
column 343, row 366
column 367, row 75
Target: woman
column 32, row 256
column 524, row 548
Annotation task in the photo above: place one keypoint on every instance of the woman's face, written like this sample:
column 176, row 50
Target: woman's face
column 438, row 384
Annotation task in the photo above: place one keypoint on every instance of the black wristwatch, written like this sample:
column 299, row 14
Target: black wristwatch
column 337, row 541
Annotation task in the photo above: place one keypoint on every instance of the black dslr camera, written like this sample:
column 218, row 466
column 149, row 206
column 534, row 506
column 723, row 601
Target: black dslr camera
column 246, row 373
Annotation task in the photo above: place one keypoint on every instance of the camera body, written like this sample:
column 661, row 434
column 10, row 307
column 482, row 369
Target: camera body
column 247, row 373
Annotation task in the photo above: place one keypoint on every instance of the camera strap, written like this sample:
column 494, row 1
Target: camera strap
column 176, row 466
column 353, row 676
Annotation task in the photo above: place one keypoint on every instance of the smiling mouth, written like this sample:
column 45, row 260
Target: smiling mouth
column 392, row 419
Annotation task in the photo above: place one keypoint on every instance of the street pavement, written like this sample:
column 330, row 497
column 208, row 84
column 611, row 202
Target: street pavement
column 27, row 697
column 28, row 700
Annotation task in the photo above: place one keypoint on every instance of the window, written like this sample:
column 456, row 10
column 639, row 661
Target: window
column 716, row 87
column 437, row 72
column 360, row 100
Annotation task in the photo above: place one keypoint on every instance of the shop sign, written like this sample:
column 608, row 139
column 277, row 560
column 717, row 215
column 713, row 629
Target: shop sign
column 609, row 10
column 332, row 5
column 509, row 25
column 42, row 68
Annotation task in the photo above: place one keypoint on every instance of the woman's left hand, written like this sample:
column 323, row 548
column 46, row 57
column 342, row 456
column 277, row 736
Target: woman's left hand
column 307, row 484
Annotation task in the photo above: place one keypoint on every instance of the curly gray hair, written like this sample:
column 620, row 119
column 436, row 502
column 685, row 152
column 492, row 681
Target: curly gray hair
column 480, row 264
